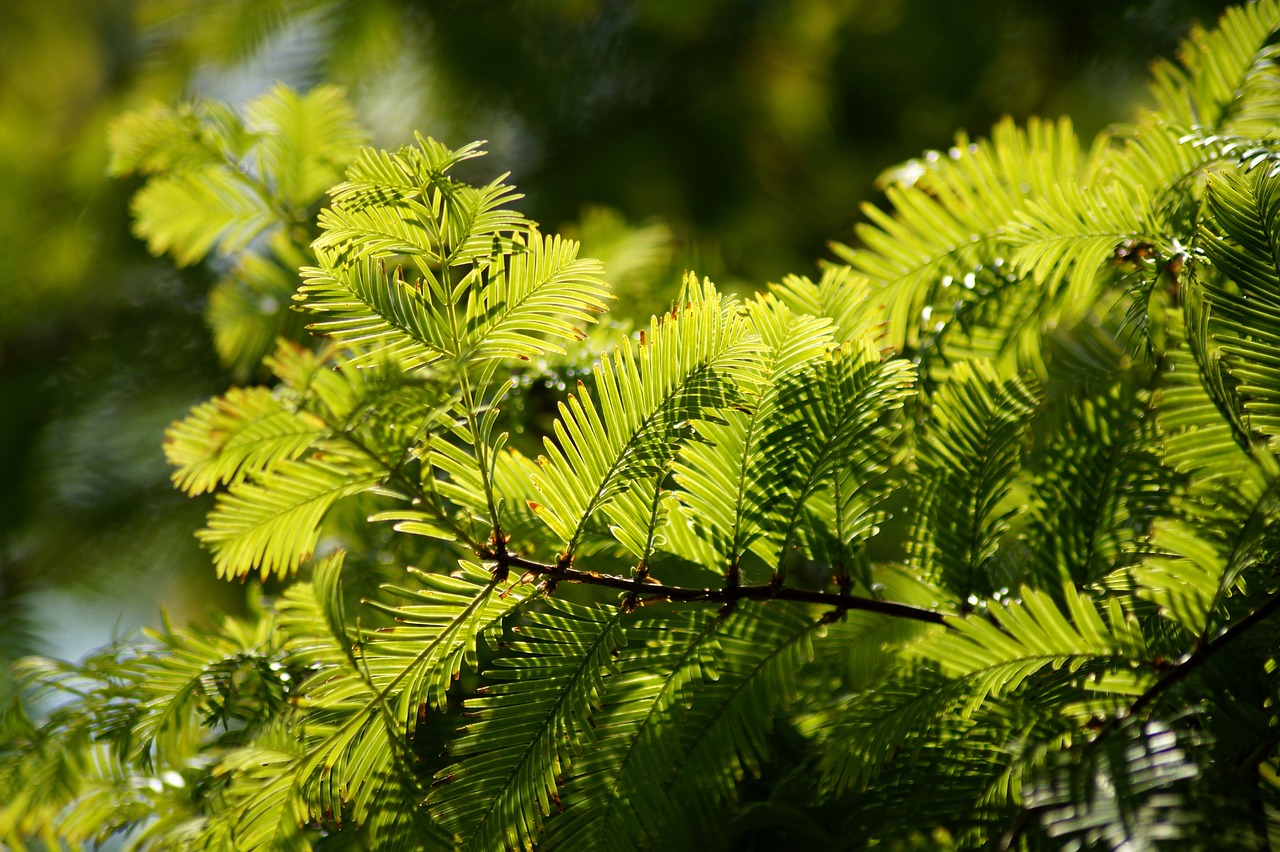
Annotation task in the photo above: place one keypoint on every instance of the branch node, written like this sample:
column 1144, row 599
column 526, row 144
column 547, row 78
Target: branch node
column 834, row 615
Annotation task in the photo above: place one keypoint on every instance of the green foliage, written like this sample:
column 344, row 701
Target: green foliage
column 970, row 543
column 245, row 185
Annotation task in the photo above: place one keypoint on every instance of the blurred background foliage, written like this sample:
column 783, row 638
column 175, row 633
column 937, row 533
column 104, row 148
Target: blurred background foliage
column 735, row 137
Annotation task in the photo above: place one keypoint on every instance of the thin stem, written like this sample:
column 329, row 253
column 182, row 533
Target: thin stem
column 479, row 441
column 483, row 458
column 648, row 592
column 396, row 474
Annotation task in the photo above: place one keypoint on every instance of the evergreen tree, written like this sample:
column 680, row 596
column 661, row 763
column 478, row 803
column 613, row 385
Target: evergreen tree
column 972, row 542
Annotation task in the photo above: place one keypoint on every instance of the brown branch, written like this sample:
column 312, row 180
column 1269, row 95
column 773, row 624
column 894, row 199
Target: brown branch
column 1200, row 655
column 646, row 591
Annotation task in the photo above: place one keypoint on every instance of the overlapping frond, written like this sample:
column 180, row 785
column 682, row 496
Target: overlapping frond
column 723, row 730
column 158, row 139
column 1098, row 487
column 608, row 798
column 289, row 455
column 362, row 707
column 722, row 477
column 533, row 719
column 1031, row 634
column 1224, row 516
column 545, row 292
column 1221, row 531
column 263, row 812
column 220, row 181
column 1218, row 99
column 437, row 628
column 231, row 679
column 1198, row 438
column 969, row 800
column 223, row 211
column 274, row 786
column 242, row 183
column 1101, row 558
column 840, row 295
column 406, row 202
column 375, row 308
column 273, row 524
column 145, row 722
column 1225, row 79
column 304, row 140
column 243, row 434
column 832, row 431
column 953, row 218
column 1071, row 232
column 1241, row 238
column 112, row 798
column 693, row 365
column 490, row 285
column 684, row 723
column 864, row 648
column 991, row 680
column 901, row 715
column 991, row 314
column 971, row 450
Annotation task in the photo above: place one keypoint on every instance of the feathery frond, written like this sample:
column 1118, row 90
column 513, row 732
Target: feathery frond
column 1026, row 636
column 952, row 219
column 970, row 451
column 696, row 620
column 695, row 363
column 608, row 797
column 1098, row 489
column 1242, row 240
column 832, row 430
column 532, row 720
column 273, row 524
column 722, row 476
column 244, row 434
